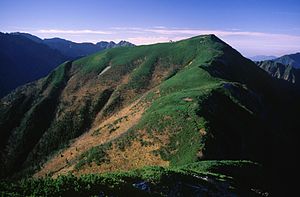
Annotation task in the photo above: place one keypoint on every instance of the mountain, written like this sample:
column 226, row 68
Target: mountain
column 262, row 58
column 29, row 36
column 25, row 57
column 286, row 67
column 183, row 107
column 23, row 60
column 281, row 71
column 291, row 59
column 73, row 49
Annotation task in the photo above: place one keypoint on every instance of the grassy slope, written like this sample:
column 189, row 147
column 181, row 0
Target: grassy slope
column 122, row 61
column 36, row 120
column 172, row 115
column 190, row 82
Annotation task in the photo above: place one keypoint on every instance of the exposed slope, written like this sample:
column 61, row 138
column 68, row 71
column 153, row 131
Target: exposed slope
column 103, row 132
column 291, row 59
column 280, row 71
column 23, row 60
column 186, row 101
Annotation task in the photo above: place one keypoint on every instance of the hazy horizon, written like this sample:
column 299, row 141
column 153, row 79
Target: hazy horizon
column 252, row 27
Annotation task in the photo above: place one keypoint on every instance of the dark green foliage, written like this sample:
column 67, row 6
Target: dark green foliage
column 10, row 117
column 96, row 154
column 125, row 139
column 173, row 73
column 35, row 122
column 140, row 76
column 112, row 128
column 214, row 177
column 71, row 125
column 238, row 169
column 101, row 101
column 228, row 138
column 114, row 105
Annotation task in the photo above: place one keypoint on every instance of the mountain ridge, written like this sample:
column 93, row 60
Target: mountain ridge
column 285, row 67
column 281, row 71
column 74, row 49
column 262, row 57
column 23, row 60
column 290, row 59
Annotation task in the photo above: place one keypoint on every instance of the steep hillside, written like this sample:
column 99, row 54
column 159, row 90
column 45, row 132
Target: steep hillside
column 291, row 59
column 281, row 71
column 23, row 60
column 168, row 104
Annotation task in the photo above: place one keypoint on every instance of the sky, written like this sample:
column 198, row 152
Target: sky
column 254, row 27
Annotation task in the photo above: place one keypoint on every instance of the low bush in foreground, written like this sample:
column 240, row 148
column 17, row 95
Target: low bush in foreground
column 201, row 178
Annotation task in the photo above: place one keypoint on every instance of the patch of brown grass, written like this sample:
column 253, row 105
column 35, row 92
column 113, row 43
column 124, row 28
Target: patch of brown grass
column 64, row 161
column 134, row 156
column 202, row 132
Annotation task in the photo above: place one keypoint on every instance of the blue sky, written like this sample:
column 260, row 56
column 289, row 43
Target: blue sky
column 254, row 27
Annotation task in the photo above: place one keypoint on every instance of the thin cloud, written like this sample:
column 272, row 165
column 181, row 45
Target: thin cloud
column 160, row 27
column 59, row 31
column 161, row 31
column 248, row 42
column 167, row 31
column 152, row 39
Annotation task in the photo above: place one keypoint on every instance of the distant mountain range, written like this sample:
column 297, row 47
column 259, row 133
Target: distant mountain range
column 23, row 60
column 73, row 49
column 25, row 57
column 262, row 58
column 286, row 67
column 291, row 59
